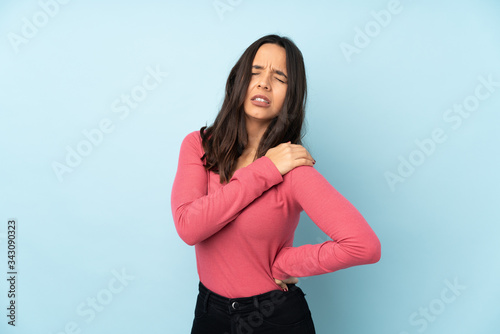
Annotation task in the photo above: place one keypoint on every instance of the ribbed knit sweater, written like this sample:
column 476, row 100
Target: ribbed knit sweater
column 243, row 230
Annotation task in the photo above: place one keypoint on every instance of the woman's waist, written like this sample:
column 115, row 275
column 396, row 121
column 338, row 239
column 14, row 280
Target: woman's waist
column 239, row 286
column 238, row 304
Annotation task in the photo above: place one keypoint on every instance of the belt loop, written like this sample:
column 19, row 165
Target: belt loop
column 256, row 302
column 206, row 300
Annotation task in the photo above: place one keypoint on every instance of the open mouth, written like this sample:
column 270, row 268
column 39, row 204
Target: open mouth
column 261, row 98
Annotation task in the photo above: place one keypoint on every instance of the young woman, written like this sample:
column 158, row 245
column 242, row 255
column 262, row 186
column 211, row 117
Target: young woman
column 237, row 196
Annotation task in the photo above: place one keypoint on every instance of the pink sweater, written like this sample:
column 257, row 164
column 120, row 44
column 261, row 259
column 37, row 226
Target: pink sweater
column 243, row 230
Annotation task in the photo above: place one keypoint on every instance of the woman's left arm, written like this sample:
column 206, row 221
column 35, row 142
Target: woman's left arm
column 353, row 240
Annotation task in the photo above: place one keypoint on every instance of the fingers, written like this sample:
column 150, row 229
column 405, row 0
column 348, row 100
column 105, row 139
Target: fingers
column 291, row 280
column 282, row 285
column 303, row 161
column 287, row 156
column 301, row 152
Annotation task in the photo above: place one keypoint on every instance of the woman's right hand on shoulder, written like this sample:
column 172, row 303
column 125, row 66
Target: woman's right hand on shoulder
column 287, row 156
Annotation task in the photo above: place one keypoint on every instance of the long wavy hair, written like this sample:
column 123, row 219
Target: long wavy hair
column 225, row 140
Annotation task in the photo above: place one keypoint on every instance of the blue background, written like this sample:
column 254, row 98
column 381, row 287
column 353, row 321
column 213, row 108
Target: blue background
column 438, row 225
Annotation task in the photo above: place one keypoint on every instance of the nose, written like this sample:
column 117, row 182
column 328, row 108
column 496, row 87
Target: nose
column 264, row 81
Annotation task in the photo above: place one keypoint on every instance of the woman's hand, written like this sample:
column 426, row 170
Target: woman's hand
column 282, row 283
column 287, row 156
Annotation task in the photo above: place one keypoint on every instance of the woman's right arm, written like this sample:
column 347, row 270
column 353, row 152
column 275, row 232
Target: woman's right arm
column 198, row 215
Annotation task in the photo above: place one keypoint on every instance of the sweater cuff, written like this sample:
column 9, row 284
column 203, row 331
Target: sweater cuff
column 281, row 275
column 269, row 166
column 277, row 272
column 264, row 167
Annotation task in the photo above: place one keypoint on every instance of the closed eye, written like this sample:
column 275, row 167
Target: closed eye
column 275, row 78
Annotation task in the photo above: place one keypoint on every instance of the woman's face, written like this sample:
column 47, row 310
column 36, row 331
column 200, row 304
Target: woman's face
column 267, row 88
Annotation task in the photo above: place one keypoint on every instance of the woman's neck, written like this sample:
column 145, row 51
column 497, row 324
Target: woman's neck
column 255, row 131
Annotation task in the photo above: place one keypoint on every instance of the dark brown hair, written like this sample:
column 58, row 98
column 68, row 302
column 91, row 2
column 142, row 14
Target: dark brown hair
column 225, row 140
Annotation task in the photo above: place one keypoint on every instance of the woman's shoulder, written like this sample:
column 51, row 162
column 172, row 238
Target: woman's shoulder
column 304, row 175
column 193, row 135
column 302, row 171
column 192, row 141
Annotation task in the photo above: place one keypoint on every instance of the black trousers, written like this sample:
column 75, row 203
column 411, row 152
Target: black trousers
column 273, row 312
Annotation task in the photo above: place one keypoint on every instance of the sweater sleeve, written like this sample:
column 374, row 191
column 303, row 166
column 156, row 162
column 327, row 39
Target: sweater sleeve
column 198, row 215
column 353, row 241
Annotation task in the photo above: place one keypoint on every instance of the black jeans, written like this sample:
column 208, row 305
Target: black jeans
column 273, row 312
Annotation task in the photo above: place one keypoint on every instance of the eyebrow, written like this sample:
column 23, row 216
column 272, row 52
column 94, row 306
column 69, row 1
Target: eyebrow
column 259, row 67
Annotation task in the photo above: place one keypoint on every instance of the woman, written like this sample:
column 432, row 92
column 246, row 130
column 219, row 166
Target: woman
column 237, row 196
